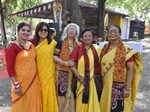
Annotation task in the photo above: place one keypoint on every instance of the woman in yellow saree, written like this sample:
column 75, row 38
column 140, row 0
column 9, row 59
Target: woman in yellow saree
column 121, row 69
column 46, row 67
column 89, row 85
column 21, row 65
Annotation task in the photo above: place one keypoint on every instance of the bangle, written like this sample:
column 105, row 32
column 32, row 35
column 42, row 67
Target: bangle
column 16, row 85
column 16, row 82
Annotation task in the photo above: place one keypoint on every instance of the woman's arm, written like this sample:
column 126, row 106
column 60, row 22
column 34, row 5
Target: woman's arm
column 62, row 62
column 11, row 53
column 130, row 71
column 16, row 85
column 77, row 75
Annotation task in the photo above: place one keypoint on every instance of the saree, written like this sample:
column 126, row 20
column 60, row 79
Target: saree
column 93, row 104
column 26, row 74
column 47, row 75
column 107, row 69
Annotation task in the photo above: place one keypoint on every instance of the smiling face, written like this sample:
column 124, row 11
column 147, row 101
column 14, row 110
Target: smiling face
column 72, row 31
column 43, row 32
column 114, row 33
column 24, row 32
column 87, row 38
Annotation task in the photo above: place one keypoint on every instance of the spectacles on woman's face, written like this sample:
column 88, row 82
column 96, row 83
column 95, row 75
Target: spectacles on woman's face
column 43, row 30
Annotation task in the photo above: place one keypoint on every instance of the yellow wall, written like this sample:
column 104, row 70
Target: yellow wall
column 117, row 20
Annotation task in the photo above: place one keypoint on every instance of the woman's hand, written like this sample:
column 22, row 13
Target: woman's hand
column 69, row 63
column 18, row 91
column 126, row 92
column 16, row 86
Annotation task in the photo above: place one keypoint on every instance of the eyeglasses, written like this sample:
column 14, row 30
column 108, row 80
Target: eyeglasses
column 43, row 30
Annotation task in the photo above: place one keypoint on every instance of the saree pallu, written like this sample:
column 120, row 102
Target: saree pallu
column 47, row 75
column 93, row 104
column 107, row 67
column 26, row 74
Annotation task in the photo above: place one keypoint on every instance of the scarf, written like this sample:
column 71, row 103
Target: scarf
column 119, row 61
column 97, row 76
column 66, row 52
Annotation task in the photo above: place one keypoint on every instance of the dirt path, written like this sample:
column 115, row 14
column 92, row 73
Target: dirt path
column 142, row 103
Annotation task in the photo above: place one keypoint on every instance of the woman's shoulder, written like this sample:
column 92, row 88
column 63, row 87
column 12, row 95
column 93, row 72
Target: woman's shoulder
column 12, row 44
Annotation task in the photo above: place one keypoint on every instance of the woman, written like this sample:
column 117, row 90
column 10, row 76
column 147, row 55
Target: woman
column 121, row 69
column 89, row 85
column 21, row 64
column 53, row 33
column 64, row 76
column 46, row 66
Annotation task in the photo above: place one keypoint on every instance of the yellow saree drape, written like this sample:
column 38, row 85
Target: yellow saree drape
column 47, row 75
column 107, row 73
column 93, row 103
column 26, row 74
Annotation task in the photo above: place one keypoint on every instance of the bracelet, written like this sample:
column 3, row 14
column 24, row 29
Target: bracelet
column 16, row 85
column 16, row 82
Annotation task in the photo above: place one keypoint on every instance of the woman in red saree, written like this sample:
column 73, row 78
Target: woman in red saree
column 87, row 71
column 21, row 65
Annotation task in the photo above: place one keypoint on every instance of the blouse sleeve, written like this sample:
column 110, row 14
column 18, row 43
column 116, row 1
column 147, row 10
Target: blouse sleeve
column 131, row 59
column 11, row 53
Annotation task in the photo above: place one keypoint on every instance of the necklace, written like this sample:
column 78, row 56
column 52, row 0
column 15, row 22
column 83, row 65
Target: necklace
column 25, row 45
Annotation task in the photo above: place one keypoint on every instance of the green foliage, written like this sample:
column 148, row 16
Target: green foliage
column 135, row 8
column 11, row 6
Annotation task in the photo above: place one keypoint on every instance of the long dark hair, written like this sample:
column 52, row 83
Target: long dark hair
column 38, row 28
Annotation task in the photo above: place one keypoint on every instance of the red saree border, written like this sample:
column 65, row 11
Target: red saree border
column 16, row 100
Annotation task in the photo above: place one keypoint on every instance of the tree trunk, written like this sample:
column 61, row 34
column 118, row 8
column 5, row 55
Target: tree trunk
column 100, row 17
column 2, row 24
column 76, row 13
column 71, row 12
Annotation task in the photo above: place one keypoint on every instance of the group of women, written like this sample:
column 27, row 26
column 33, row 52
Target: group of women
column 71, row 76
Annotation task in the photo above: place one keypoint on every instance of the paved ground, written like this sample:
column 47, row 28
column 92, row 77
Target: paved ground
column 142, row 103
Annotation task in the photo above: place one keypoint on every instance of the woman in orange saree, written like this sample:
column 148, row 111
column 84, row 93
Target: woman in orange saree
column 21, row 65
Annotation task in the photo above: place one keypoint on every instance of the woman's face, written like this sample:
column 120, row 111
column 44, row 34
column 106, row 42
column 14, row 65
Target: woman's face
column 54, row 34
column 72, row 31
column 87, row 38
column 43, row 32
column 114, row 33
column 24, row 32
